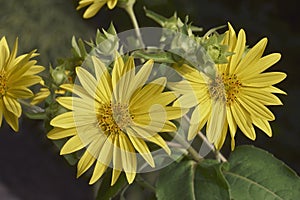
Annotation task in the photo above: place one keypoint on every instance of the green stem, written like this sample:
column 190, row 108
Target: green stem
column 187, row 146
column 218, row 154
column 33, row 108
column 130, row 11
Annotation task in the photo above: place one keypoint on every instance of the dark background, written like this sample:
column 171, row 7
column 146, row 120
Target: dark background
column 30, row 166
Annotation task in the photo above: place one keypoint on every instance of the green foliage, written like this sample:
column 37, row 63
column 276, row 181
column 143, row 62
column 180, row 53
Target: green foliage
column 176, row 181
column 106, row 191
column 45, row 25
column 257, row 174
column 251, row 173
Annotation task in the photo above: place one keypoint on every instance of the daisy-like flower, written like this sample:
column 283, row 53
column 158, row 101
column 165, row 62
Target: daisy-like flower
column 236, row 97
column 113, row 116
column 17, row 73
column 95, row 6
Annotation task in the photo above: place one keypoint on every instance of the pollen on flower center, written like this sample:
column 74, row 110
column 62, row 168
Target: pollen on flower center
column 3, row 83
column 225, row 87
column 113, row 118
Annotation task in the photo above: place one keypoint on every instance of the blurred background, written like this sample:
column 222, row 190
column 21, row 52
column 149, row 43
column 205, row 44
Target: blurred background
column 30, row 165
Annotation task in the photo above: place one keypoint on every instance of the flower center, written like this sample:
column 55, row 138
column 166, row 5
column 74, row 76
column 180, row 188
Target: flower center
column 3, row 83
column 225, row 87
column 113, row 118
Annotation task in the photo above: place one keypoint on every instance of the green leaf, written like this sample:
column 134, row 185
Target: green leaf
column 176, row 182
column 189, row 180
column 210, row 182
column 256, row 174
column 162, row 57
column 37, row 116
column 106, row 191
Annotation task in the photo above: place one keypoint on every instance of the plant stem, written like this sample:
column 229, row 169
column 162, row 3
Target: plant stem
column 130, row 11
column 188, row 147
column 218, row 154
column 33, row 108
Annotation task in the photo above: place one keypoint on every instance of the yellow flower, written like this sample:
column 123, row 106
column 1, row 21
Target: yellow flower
column 16, row 75
column 113, row 116
column 95, row 6
column 238, row 95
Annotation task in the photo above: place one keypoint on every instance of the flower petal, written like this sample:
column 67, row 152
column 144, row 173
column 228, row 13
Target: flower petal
column 12, row 105
column 111, row 3
column 72, row 145
column 216, row 121
column 239, row 51
column 141, row 146
column 59, row 133
column 128, row 156
column 65, row 120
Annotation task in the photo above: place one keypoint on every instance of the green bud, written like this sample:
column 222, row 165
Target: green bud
column 58, row 75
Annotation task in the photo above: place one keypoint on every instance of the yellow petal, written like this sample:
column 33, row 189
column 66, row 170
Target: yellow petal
column 1, row 112
column 263, row 125
column 111, row 3
column 40, row 96
column 191, row 74
column 152, row 137
column 255, row 108
column 128, row 156
column 232, row 126
column 10, row 118
column 25, row 81
column 104, row 87
column 99, row 170
column 59, row 133
column 65, row 120
column 230, row 38
column 216, row 121
column 275, row 90
column 243, row 121
column 76, row 89
column 118, row 69
column 150, row 91
column 4, row 52
column 93, row 9
column 238, row 51
column 84, row 3
column 262, row 95
column 106, row 152
column 220, row 141
column 20, row 93
column 72, row 145
column 187, row 101
column 87, row 81
column 265, row 79
column 117, row 161
column 248, row 62
column 143, row 74
column 141, row 146
column 125, row 86
column 262, row 64
column 89, row 156
column 115, row 175
column 85, row 162
column 12, row 106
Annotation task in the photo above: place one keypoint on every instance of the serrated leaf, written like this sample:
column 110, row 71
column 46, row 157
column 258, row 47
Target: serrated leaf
column 257, row 174
column 106, row 191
